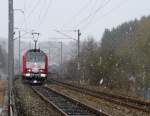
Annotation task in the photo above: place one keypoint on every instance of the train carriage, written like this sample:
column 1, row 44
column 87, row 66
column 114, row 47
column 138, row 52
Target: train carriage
column 35, row 66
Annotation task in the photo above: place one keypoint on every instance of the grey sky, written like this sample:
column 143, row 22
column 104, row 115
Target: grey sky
column 72, row 14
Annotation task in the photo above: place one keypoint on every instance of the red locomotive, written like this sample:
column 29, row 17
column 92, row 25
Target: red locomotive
column 35, row 66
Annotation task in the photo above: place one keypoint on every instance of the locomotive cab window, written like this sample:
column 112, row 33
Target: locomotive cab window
column 35, row 57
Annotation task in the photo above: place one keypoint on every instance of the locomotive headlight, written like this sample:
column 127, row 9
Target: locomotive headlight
column 43, row 75
column 41, row 70
column 28, row 75
column 29, row 70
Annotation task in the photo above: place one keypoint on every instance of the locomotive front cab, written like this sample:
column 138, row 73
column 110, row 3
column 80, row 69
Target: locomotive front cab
column 36, row 66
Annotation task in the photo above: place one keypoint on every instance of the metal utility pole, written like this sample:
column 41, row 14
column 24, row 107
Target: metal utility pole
column 30, row 44
column 10, row 50
column 19, row 38
column 61, row 57
column 19, row 53
column 69, row 37
column 78, row 42
column 49, row 54
column 19, row 48
column 79, row 34
column 61, row 61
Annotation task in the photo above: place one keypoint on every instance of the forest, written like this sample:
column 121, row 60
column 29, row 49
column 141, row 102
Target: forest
column 121, row 59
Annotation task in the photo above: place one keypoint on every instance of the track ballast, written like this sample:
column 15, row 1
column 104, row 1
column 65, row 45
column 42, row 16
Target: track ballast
column 64, row 104
column 120, row 100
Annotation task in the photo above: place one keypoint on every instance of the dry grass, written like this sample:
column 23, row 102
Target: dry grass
column 2, row 91
column 114, row 91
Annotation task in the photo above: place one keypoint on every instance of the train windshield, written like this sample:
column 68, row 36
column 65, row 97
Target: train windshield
column 35, row 57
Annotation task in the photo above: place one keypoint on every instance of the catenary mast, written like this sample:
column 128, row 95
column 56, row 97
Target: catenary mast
column 10, row 49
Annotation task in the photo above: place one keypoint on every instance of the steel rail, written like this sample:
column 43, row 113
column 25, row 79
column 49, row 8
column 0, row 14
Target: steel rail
column 117, row 99
column 64, row 104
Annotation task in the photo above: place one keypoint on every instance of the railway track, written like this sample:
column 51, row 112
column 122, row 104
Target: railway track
column 65, row 105
column 117, row 99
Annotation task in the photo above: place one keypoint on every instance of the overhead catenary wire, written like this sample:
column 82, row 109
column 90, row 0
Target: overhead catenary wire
column 105, row 14
column 34, row 8
column 83, row 8
column 24, row 4
column 93, row 6
column 39, row 13
column 24, row 14
column 92, row 9
column 31, row 11
column 91, row 15
column 65, row 34
column 80, row 11
column 24, row 23
column 29, row 4
column 45, row 13
column 114, row 8
column 41, row 10
column 101, row 6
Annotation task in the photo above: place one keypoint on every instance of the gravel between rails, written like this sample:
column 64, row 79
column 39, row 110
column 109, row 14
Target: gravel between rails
column 110, row 108
column 29, row 103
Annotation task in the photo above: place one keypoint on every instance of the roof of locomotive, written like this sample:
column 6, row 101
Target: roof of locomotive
column 35, row 50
